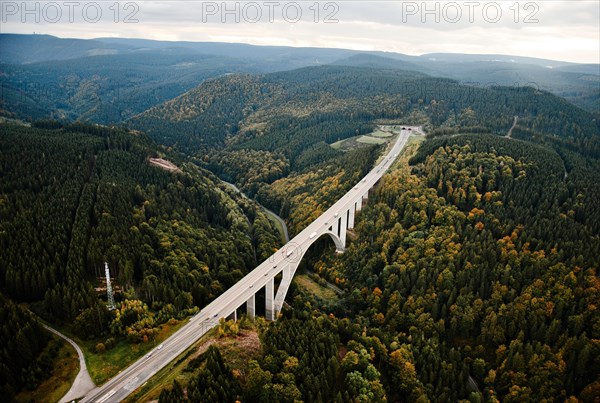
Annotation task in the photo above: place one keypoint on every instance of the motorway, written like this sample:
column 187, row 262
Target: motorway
column 140, row 371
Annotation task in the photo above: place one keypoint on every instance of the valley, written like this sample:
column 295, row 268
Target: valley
column 297, row 224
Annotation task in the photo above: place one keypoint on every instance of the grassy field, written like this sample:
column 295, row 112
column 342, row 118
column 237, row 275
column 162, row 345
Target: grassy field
column 370, row 140
column 376, row 137
column 66, row 367
column 379, row 133
column 236, row 352
column 323, row 292
column 416, row 140
column 338, row 144
column 411, row 147
column 355, row 142
column 103, row 366
column 278, row 225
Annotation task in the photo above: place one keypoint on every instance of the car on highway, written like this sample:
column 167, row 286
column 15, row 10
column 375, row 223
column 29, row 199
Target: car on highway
column 215, row 315
column 149, row 355
column 314, row 234
column 159, row 347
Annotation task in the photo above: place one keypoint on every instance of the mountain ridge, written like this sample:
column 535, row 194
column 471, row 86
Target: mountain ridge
column 124, row 44
column 578, row 83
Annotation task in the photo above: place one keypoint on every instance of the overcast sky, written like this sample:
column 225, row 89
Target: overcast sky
column 552, row 29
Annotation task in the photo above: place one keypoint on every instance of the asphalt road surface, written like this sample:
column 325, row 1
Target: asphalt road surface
column 83, row 382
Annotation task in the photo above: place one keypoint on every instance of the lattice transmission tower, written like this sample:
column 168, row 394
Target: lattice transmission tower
column 109, row 293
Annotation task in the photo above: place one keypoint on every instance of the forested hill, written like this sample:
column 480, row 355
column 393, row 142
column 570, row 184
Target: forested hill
column 107, row 89
column 74, row 197
column 471, row 276
column 43, row 61
column 478, row 266
column 576, row 83
column 289, row 111
column 22, row 339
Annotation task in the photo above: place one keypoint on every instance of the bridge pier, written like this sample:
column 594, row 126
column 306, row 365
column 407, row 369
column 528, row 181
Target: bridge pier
column 251, row 306
column 342, row 228
column 270, row 300
column 233, row 315
column 351, row 213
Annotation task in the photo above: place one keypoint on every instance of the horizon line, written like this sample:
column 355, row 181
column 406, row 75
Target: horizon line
column 99, row 38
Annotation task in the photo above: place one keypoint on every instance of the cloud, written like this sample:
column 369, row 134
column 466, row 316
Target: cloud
column 562, row 30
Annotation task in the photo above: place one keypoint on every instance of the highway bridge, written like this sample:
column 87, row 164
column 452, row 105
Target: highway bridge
column 333, row 223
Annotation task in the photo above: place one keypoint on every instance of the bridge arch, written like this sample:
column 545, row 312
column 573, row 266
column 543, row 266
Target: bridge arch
column 290, row 270
column 337, row 241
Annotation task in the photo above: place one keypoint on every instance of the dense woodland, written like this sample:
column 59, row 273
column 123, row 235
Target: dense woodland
column 107, row 89
column 273, row 132
column 290, row 111
column 480, row 255
column 248, row 168
column 76, row 196
column 22, row 341
column 470, row 275
column 109, row 80
column 71, row 201
column 303, row 196
column 473, row 276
